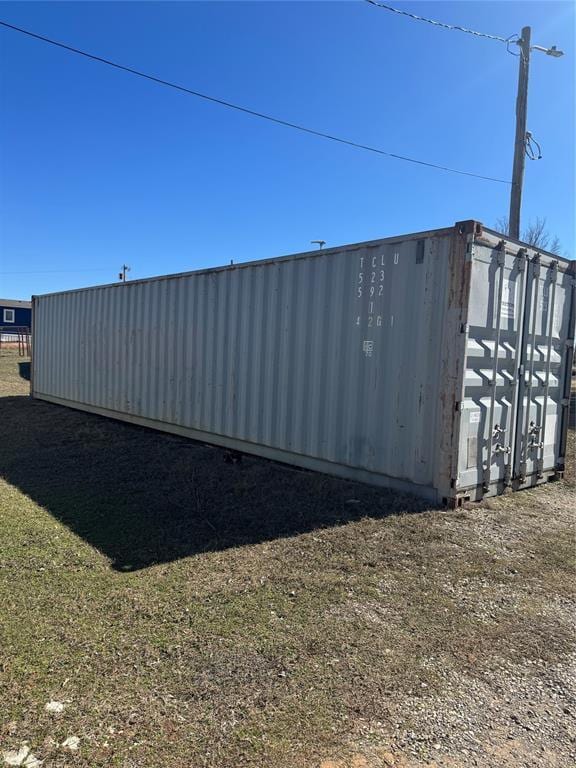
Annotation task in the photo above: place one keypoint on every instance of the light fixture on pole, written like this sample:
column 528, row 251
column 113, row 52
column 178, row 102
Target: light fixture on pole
column 548, row 51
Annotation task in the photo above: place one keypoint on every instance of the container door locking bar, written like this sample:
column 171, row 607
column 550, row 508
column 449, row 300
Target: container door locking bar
column 521, row 258
column 527, row 396
column 501, row 261
column 553, row 272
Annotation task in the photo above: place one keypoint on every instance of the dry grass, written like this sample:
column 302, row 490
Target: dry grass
column 193, row 612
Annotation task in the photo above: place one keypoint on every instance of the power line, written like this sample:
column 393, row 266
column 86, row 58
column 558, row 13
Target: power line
column 246, row 110
column 454, row 27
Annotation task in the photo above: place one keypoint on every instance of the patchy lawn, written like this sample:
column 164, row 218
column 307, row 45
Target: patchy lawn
column 190, row 612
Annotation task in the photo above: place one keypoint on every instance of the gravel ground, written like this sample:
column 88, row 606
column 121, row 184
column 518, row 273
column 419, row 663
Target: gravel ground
column 191, row 612
column 522, row 714
column 522, row 717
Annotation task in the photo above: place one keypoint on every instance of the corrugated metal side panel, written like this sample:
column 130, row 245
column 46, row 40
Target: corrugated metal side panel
column 336, row 356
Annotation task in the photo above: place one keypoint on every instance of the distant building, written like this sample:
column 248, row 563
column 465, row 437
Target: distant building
column 15, row 313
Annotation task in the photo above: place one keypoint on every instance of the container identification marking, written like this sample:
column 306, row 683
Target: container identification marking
column 369, row 288
column 368, row 347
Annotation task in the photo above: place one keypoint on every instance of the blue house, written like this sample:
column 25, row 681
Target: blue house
column 14, row 313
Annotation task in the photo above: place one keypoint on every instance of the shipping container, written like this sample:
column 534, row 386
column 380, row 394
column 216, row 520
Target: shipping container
column 437, row 362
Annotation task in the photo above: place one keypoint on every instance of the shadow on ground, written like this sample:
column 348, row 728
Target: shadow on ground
column 143, row 497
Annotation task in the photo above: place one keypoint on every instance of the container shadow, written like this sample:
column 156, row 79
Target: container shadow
column 143, row 497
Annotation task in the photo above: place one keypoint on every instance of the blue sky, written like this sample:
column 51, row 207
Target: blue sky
column 99, row 167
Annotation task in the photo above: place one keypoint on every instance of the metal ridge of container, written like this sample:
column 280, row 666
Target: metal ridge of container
column 523, row 244
column 442, row 231
column 272, row 260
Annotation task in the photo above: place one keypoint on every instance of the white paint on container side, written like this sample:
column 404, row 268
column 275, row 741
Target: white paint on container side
column 270, row 354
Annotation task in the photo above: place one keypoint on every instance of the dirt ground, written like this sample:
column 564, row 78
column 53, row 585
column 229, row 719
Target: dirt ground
column 173, row 609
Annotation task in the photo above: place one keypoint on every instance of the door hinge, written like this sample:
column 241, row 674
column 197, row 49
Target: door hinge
column 521, row 257
column 554, row 269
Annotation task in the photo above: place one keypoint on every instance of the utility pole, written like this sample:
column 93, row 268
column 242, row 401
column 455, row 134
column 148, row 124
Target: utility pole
column 521, row 133
column 520, row 139
column 122, row 275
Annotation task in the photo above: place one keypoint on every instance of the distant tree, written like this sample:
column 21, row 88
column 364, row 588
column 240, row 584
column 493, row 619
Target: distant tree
column 535, row 234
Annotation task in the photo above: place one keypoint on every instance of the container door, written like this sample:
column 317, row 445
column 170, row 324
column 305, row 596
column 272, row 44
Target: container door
column 544, row 370
column 490, row 385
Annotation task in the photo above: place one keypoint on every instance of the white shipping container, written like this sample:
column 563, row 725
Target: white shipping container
column 436, row 362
